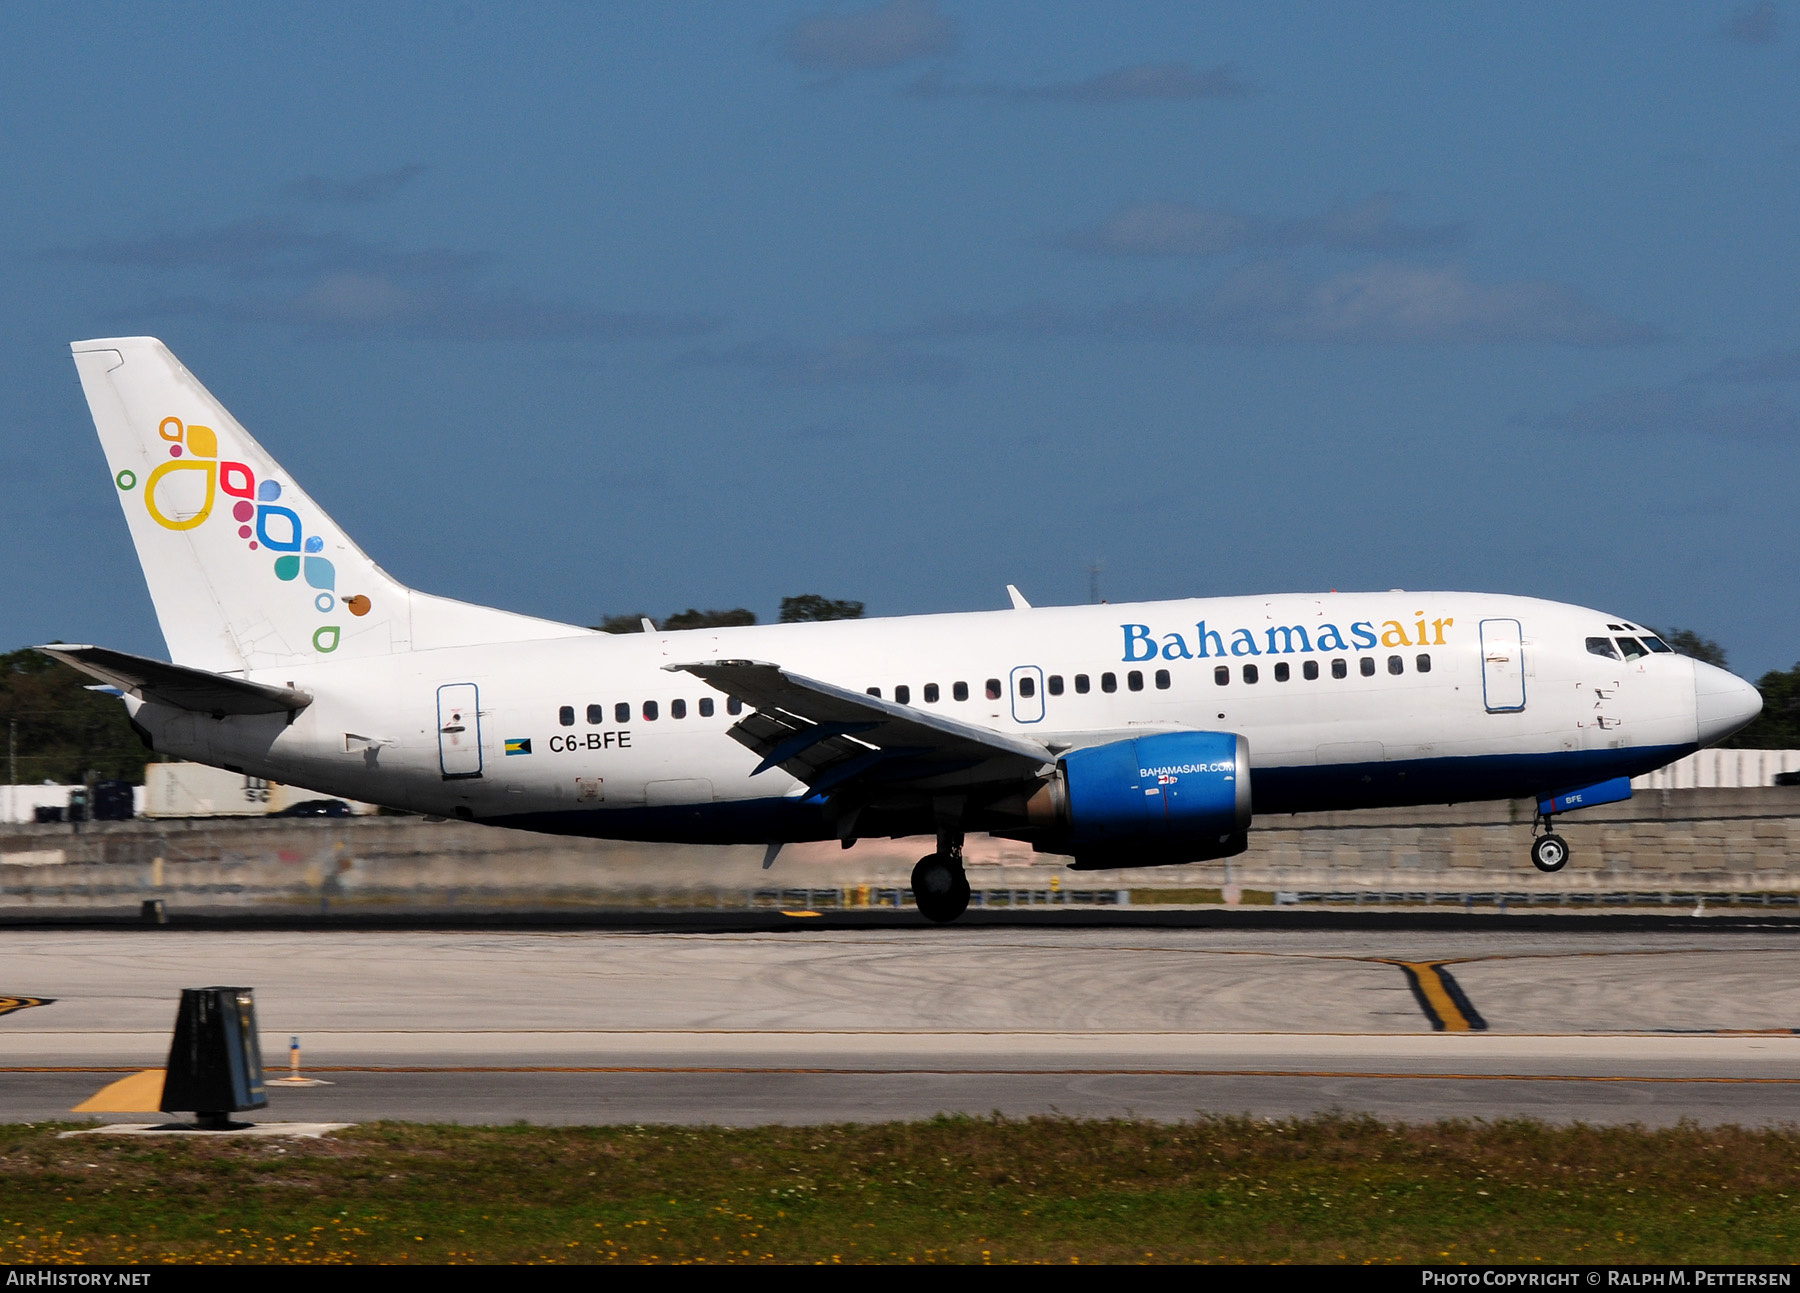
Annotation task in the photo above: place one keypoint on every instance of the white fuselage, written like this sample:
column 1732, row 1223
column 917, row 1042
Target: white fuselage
column 619, row 746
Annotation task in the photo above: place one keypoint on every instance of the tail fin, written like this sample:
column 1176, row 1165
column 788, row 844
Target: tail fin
column 245, row 570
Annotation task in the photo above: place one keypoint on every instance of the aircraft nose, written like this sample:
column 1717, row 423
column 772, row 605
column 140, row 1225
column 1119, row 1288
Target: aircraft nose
column 1723, row 703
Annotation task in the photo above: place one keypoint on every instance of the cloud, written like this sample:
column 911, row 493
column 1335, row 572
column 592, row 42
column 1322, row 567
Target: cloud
column 332, row 283
column 265, row 248
column 360, row 191
column 1384, row 303
column 347, row 304
column 1674, row 411
column 871, row 360
column 1183, row 229
column 1754, row 24
column 899, row 31
column 1770, row 366
column 1136, row 83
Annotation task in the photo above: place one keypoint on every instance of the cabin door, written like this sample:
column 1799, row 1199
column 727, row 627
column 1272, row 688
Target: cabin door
column 1502, row 666
column 459, row 731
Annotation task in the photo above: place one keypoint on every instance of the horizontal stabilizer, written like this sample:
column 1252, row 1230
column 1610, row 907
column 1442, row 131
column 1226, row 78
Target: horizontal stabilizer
column 178, row 685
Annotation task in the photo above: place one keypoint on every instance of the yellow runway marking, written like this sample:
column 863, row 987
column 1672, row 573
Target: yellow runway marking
column 1440, row 997
column 139, row 1093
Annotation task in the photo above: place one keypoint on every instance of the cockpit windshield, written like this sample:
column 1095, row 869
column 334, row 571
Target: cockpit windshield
column 1625, row 648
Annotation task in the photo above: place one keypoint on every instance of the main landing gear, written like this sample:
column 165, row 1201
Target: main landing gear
column 1549, row 851
column 940, row 888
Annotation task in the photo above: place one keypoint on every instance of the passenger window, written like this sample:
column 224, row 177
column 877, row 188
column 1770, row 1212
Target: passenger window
column 1135, row 680
column 1250, row 673
column 649, row 711
column 596, row 715
column 1027, row 685
column 1310, row 670
column 622, row 712
column 1368, row 666
column 1221, row 675
column 1162, row 679
column 678, row 709
column 931, row 693
column 993, row 689
column 1657, row 645
column 1602, row 647
column 903, row 694
column 733, row 705
column 1424, row 663
column 1055, row 684
column 1281, row 671
column 706, row 707
column 1632, row 648
column 1081, row 684
column 1339, row 669
column 566, row 716
column 959, row 690
column 875, row 692
column 1109, row 683
column 1396, row 665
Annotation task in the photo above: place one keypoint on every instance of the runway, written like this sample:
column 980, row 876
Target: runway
column 814, row 1024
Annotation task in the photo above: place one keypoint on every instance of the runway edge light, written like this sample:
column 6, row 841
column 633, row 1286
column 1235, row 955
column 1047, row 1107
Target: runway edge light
column 215, row 1057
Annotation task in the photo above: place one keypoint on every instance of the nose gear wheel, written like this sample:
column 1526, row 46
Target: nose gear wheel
column 1549, row 853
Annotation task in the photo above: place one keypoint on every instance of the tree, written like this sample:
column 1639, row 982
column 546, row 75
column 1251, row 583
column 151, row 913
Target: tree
column 693, row 619
column 1691, row 643
column 810, row 606
column 688, row 619
column 61, row 730
column 1778, row 726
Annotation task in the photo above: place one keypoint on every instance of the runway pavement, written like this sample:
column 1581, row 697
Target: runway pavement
column 811, row 1024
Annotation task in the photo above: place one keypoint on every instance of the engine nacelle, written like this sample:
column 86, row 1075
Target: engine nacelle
column 1171, row 797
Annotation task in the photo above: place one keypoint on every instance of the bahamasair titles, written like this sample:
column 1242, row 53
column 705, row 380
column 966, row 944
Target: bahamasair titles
column 1114, row 735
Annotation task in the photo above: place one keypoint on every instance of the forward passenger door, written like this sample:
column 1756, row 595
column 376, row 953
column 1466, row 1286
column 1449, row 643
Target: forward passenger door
column 1502, row 666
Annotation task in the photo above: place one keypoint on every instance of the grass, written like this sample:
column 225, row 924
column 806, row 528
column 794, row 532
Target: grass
column 1326, row 1189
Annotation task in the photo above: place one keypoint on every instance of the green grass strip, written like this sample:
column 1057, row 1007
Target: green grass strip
column 1325, row 1189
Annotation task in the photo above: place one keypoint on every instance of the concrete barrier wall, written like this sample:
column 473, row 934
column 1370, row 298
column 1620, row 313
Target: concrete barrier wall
column 1732, row 769
column 1745, row 840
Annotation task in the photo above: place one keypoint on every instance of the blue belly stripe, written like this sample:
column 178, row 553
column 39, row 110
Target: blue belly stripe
column 1294, row 789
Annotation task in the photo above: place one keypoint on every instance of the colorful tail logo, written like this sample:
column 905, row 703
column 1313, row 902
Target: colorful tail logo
column 276, row 528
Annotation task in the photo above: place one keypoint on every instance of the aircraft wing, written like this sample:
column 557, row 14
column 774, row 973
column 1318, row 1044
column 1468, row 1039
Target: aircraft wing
column 831, row 738
column 173, row 684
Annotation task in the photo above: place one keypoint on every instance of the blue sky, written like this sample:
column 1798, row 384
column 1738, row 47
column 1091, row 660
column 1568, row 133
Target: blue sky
column 584, row 309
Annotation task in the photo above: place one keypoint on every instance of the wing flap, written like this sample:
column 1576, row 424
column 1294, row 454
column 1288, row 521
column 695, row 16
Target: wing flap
column 177, row 685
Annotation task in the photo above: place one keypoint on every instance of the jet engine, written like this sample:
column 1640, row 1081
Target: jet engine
column 1151, row 801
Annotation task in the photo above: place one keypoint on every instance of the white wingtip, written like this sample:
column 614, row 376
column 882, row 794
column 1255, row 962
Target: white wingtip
column 1018, row 598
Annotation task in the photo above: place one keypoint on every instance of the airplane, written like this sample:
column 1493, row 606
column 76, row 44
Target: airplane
column 1115, row 735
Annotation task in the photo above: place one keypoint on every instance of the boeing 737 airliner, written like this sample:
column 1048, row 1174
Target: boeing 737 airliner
column 1123, row 735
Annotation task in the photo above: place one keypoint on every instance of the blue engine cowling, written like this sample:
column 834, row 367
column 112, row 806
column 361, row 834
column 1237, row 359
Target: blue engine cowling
column 1172, row 797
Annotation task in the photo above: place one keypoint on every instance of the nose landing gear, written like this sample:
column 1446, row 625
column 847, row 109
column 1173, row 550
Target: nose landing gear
column 1549, row 851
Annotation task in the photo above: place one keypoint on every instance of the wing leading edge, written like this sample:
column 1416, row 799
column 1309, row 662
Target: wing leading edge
column 836, row 740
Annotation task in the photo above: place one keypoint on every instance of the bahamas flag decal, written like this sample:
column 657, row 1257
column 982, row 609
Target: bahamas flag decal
column 519, row 746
